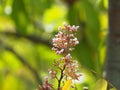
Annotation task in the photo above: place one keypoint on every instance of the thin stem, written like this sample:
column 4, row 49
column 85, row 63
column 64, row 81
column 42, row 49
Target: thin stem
column 56, row 77
column 61, row 77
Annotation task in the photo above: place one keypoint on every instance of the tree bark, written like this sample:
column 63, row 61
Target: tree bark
column 112, row 64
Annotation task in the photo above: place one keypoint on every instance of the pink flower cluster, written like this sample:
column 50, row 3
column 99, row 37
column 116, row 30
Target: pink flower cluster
column 71, row 67
column 65, row 40
column 67, row 68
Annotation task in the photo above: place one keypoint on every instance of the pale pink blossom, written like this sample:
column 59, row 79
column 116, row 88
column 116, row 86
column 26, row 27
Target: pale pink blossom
column 52, row 73
column 65, row 40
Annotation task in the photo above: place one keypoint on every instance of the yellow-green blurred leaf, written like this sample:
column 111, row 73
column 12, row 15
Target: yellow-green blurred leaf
column 101, row 84
column 105, row 2
column 67, row 85
column 6, row 24
column 104, row 21
column 53, row 17
column 10, row 83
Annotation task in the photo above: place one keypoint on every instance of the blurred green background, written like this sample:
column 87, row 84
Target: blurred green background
column 26, row 31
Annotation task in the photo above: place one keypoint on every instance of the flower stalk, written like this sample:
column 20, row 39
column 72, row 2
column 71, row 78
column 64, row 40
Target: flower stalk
column 63, row 43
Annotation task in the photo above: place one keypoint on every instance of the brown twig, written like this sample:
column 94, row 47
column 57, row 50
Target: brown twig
column 61, row 77
column 32, row 38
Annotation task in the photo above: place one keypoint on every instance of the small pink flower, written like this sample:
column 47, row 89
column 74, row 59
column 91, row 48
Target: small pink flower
column 68, row 56
column 52, row 73
column 65, row 24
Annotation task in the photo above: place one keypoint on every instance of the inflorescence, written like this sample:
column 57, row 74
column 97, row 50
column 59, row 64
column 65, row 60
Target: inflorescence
column 63, row 43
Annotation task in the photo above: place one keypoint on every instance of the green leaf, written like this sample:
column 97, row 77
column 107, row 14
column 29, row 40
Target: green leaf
column 20, row 16
column 87, row 51
column 93, row 24
column 84, row 54
column 101, row 84
column 73, row 14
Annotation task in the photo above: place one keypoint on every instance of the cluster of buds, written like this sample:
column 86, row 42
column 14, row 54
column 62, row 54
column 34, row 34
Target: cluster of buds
column 68, row 66
column 63, row 43
column 65, row 40
column 46, row 85
column 71, row 67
